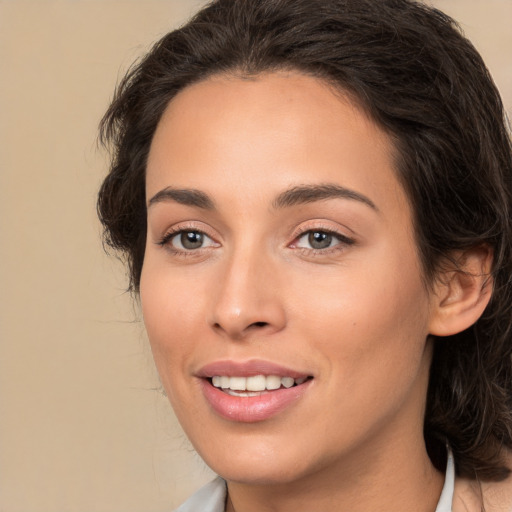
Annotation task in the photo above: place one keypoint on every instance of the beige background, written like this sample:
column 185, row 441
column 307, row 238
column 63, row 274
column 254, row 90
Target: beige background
column 83, row 426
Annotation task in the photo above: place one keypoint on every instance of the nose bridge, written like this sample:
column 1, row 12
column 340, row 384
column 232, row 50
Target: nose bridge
column 248, row 297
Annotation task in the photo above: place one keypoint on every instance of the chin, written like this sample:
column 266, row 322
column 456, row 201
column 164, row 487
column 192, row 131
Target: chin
column 259, row 474
column 275, row 461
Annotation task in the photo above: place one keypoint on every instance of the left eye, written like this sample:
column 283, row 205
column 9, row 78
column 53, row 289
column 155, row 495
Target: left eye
column 319, row 240
column 190, row 240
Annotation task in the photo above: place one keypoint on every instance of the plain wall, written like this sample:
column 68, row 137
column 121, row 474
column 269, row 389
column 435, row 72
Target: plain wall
column 83, row 425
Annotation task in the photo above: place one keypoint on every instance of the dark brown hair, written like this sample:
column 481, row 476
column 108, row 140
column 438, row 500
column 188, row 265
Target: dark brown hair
column 410, row 68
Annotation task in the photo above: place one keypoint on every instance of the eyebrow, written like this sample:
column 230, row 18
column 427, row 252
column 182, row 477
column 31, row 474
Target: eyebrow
column 303, row 194
column 188, row 197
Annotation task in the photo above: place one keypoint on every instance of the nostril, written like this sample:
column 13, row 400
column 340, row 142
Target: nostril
column 254, row 325
column 259, row 324
column 237, row 328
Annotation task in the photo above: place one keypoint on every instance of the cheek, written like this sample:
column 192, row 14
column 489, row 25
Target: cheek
column 170, row 318
column 368, row 320
column 172, row 306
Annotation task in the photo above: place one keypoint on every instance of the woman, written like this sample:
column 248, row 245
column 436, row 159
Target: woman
column 314, row 199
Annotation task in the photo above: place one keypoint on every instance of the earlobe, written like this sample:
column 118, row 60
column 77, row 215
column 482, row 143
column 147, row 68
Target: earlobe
column 462, row 291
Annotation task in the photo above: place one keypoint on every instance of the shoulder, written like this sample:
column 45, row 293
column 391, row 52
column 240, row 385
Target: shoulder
column 470, row 496
column 210, row 498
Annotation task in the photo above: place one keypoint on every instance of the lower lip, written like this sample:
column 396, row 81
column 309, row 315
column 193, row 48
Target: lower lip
column 254, row 408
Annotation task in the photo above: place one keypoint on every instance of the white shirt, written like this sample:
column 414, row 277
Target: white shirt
column 212, row 497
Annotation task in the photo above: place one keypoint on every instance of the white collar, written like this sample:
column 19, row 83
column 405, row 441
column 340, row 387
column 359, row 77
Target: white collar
column 446, row 499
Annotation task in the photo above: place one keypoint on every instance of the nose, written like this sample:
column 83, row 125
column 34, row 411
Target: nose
column 248, row 298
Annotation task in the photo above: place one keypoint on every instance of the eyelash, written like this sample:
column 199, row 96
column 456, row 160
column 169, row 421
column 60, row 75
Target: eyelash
column 166, row 240
column 343, row 241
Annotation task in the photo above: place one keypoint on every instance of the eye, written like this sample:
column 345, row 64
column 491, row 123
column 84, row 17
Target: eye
column 188, row 240
column 321, row 239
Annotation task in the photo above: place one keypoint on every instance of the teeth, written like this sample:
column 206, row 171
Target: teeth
column 244, row 393
column 254, row 384
column 237, row 383
column 273, row 382
column 287, row 382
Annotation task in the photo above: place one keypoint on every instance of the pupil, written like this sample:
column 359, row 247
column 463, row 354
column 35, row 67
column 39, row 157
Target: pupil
column 319, row 240
column 191, row 239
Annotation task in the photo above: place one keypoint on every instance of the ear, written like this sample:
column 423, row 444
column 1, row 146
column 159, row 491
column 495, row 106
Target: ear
column 462, row 291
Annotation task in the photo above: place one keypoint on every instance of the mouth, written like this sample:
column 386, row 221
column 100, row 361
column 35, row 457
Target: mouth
column 252, row 391
column 255, row 385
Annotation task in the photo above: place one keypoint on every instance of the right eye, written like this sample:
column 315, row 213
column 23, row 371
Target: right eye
column 188, row 240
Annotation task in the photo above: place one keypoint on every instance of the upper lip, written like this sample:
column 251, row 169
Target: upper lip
column 248, row 369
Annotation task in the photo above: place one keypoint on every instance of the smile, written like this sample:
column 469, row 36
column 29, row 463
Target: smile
column 254, row 385
column 253, row 390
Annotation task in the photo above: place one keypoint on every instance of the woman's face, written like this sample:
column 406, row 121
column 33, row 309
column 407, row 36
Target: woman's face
column 280, row 252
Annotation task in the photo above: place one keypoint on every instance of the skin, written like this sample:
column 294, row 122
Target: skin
column 356, row 315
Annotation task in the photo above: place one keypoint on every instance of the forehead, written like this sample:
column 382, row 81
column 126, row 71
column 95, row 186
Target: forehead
column 271, row 131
